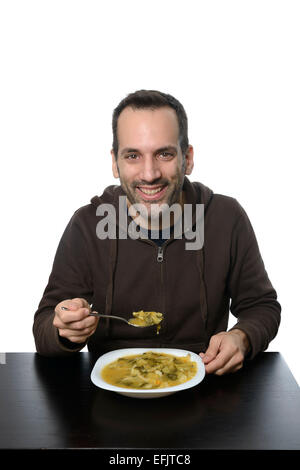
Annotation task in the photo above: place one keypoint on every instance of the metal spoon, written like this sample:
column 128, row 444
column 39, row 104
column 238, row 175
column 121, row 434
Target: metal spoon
column 101, row 315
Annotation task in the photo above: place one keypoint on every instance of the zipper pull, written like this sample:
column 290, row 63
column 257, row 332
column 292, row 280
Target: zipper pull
column 160, row 254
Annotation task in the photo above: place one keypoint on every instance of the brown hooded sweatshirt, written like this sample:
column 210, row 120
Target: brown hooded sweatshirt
column 194, row 289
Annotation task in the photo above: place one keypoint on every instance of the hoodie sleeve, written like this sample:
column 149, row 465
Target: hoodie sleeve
column 69, row 278
column 253, row 298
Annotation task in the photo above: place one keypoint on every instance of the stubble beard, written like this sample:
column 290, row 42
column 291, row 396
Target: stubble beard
column 155, row 210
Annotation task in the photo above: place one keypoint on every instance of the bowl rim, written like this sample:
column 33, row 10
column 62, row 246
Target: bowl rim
column 110, row 356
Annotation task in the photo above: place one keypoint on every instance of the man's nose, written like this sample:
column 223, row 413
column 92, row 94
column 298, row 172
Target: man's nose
column 150, row 170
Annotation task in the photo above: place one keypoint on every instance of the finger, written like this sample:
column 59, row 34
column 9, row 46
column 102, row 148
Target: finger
column 78, row 303
column 67, row 333
column 88, row 322
column 64, row 323
column 69, row 316
column 232, row 366
column 74, row 304
column 70, row 304
column 213, row 349
column 81, row 338
column 222, row 358
column 226, row 361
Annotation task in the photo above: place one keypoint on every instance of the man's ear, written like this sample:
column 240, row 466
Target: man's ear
column 189, row 160
column 115, row 169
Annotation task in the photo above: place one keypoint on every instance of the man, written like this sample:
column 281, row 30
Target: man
column 193, row 288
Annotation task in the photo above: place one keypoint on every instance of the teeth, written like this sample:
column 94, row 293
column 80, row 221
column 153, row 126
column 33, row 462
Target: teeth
column 151, row 191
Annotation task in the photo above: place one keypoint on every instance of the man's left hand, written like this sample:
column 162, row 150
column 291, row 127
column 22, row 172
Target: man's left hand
column 226, row 352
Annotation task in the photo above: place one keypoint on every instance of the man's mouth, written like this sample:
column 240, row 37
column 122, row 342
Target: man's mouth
column 151, row 193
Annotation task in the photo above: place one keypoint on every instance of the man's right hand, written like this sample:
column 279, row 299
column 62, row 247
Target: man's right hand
column 75, row 324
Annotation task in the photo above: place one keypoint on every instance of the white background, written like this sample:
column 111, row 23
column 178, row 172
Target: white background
column 66, row 64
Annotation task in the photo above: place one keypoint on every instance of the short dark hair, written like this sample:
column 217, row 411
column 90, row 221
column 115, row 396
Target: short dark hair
column 152, row 99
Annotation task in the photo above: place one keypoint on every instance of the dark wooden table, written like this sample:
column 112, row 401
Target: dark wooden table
column 51, row 403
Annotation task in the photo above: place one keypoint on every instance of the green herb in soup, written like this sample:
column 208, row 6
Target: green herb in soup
column 149, row 370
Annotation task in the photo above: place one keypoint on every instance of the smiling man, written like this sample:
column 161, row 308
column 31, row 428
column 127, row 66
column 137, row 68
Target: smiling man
column 150, row 161
column 195, row 289
column 148, row 157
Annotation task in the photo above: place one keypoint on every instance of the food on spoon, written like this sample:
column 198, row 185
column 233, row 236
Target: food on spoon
column 149, row 370
column 142, row 318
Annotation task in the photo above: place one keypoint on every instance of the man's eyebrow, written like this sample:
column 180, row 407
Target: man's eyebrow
column 129, row 150
column 169, row 148
column 161, row 149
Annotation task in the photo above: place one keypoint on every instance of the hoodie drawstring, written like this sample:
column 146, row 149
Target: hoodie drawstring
column 202, row 287
column 201, row 264
column 113, row 247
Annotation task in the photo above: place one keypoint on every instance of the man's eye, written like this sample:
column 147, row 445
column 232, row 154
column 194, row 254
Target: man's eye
column 131, row 156
column 166, row 155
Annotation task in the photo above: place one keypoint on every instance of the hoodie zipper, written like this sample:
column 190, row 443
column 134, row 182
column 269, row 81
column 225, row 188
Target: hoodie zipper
column 160, row 259
column 160, row 254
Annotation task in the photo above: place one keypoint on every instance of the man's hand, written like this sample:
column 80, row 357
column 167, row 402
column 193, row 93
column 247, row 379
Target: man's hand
column 75, row 324
column 226, row 352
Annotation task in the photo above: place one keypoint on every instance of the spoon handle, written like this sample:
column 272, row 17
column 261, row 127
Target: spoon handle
column 101, row 315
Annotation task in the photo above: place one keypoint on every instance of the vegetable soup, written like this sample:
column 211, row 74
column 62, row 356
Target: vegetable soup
column 149, row 370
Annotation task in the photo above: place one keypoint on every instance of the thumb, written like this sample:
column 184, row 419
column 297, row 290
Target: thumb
column 79, row 303
column 213, row 348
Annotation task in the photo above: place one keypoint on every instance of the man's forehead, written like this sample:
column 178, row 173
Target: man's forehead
column 142, row 124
